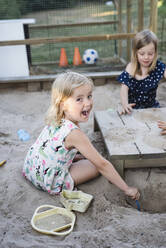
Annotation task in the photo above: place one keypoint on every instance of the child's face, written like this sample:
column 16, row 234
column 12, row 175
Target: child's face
column 146, row 55
column 78, row 106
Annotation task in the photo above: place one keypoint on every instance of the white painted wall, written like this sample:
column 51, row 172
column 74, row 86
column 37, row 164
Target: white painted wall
column 13, row 59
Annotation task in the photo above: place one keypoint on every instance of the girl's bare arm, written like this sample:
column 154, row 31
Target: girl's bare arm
column 165, row 74
column 126, row 107
column 81, row 142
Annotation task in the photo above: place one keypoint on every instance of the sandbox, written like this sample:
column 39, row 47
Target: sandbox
column 109, row 221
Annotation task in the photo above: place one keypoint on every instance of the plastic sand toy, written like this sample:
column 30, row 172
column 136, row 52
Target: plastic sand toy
column 138, row 205
column 23, row 135
column 53, row 220
column 75, row 200
column 2, row 162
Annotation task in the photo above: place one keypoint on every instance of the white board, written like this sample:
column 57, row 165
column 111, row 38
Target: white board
column 13, row 59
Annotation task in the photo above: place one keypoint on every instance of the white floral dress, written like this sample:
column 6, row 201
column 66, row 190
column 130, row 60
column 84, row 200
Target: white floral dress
column 48, row 161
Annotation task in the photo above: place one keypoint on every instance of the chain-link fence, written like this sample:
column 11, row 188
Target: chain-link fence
column 77, row 18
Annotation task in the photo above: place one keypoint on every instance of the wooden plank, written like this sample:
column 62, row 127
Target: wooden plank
column 119, row 8
column 28, row 79
column 143, row 124
column 47, row 85
column 119, row 166
column 34, row 87
column 153, row 15
column 50, row 26
column 36, row 41
column 132, row 136
column 108, row 119
column 136, row 129
column 96, row 127
column 130, row 121
column 129, row 21
column 149, row 116
column 140, row 15
column 145, row 163
column 113, row 131
column 149, row 141
column 99, row 81
column 112, row 74
column 51, row 77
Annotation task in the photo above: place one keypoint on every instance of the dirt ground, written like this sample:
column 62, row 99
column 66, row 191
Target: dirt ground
column 109, row 222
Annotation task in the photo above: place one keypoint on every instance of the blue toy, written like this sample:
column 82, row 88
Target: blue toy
column 138, row 205
column 23, row 135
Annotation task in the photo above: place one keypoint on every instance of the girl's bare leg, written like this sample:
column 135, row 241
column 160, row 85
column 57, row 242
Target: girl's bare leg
column 82, row 171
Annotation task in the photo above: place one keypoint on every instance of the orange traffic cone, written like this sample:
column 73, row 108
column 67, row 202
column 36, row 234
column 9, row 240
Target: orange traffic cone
column 63, row 58
column 77, row 58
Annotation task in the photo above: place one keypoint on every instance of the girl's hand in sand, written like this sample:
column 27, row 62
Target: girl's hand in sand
column 127, row 109
column 162, row 125
column 133, row 193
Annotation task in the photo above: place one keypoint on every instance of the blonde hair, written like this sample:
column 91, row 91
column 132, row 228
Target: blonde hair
column 140, row 40
column 62, row 89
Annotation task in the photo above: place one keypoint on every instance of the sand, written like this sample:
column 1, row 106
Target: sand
column 110, row 221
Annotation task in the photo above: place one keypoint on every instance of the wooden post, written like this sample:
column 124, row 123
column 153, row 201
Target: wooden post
column 153, row 15
column 119, row 8
column 119, row 166
column 128, row 12
column 162, row 35
column 140, row 15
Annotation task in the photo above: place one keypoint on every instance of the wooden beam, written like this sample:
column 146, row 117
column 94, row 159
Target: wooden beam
column 153, row 16
column 71, row 25
column 145, row 163
column 128, row 12
column 36, row 41
column 44, row 82
column 140, row 15
column 119, row 7
column 51, row 77
column 119, row 166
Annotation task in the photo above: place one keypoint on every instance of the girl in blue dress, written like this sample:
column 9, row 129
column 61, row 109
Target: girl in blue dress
column 142, row 75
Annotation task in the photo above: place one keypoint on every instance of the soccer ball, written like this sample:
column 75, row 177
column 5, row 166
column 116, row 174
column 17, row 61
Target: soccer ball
column 90, row 56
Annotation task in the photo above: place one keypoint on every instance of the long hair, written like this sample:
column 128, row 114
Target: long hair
column 140, row 40
column 62, row 88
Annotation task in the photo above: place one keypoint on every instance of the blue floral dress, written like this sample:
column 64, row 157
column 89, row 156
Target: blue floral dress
column 143, row 92
column 48, row 161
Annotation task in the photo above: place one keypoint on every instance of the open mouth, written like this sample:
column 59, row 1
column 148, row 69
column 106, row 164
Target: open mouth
column 85, row 113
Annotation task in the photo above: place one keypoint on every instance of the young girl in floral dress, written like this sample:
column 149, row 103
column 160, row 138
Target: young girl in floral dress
column 51, row 162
